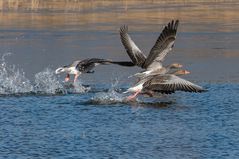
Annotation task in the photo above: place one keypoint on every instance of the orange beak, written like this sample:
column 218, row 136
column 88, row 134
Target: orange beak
column 180, row 66
column 186, row 72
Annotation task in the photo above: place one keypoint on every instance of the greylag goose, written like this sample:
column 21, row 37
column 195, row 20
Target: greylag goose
column 86, row 66
column 163, row 45
column 162, row 70
column 164, row 83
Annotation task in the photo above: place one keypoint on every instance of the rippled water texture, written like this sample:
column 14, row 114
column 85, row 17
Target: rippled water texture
column 43, row 117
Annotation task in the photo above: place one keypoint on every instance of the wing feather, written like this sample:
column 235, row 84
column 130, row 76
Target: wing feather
column 75, row 63
column 171, row 83
column 163, row 45
column 135, row 54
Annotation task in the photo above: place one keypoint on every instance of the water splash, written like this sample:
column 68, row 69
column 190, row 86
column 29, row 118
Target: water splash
column 47, row 83
column 12, row 80
column 79, row 88
column 110, row 97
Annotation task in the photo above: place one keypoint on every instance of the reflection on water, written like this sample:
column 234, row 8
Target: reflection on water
column 43, row 34
column 98, row 123
column 194, row 126
column 214, row 15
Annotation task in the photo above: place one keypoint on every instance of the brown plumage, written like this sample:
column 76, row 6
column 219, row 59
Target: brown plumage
column 163, row 45
column 164, row 83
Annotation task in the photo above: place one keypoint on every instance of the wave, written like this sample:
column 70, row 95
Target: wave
column 110, row 97
column 117, row 98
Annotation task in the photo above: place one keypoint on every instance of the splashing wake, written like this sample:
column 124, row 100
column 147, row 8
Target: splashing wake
column 46, row 82
column 109, row 97
column 14, row 82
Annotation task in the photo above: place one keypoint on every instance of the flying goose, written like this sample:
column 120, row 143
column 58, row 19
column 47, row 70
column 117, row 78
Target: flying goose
column 86, row 66
column 164, row 83
column 163, row 45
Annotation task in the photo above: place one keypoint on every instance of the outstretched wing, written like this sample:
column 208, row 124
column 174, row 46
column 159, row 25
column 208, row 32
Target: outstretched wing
column 75, row 63
column 163, row 45
column 135, row 54
column 87, row 65
column 169, row 83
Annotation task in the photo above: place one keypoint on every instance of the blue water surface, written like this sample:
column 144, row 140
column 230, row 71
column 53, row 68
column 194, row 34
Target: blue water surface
column 86, row 125
column 42, row 117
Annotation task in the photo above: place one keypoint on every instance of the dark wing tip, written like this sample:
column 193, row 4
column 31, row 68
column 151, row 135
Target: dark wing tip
column 172, row 26
column 123, row 29
column 196, row 89
column 202, row 90
column 176, row 24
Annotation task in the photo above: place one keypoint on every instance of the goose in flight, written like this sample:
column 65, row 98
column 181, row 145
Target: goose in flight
column 163, row 45
column 164, row 83
column 86, row 66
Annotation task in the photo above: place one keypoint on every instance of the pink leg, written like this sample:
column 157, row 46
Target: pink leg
column 67, row 78
column 133, row 96
column 76, row 76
